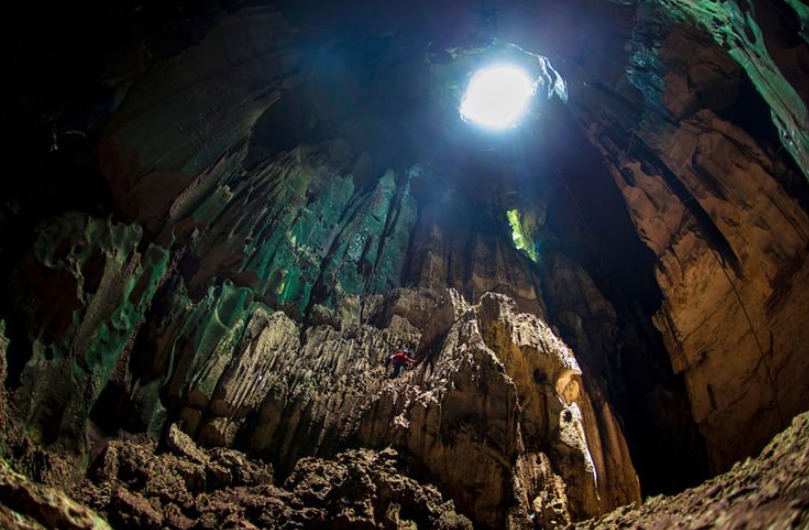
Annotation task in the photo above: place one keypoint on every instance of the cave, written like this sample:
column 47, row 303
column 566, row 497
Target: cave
column 222, row 219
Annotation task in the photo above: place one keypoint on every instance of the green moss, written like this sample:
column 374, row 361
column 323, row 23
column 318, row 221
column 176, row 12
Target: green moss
column 732, row 24
column 522, row 229
column 62, row 386
column 298, row 227
column 802, row 11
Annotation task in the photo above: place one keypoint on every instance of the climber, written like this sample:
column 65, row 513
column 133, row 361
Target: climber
column 400, row 359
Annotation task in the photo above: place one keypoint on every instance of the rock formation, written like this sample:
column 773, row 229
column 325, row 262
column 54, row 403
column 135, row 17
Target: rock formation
column 188, row 487
column 712, row 204
column 768, row 491
column 236, row 212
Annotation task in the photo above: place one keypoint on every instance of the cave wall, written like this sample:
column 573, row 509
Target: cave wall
column 708, row 190
column 269, row 239
column 253, row 299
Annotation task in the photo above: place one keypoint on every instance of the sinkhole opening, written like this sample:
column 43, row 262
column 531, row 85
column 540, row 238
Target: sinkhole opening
column 521, row 233
column 497, row 96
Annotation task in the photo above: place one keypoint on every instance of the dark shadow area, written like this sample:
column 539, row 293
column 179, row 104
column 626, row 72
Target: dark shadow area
column 589, row 221
column 751, row 113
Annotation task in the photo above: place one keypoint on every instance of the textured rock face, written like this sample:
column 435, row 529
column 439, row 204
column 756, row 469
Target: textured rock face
column 710, row 200
column 188, row 487
column 497, row 412
column 103, row 285
column 447, row 251
column 161, row 138
column 39, row 502
column 533, row 405
column 498, row 398
column 768, row 491
column 286, row 211
column 747, row 377
column 735, row 27
column 27, row 505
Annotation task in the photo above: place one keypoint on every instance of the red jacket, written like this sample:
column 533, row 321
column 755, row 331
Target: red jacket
column 401, row 357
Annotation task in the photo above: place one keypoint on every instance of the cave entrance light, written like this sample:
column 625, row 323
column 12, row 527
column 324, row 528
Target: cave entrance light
column 522, row 227
column 497, row 96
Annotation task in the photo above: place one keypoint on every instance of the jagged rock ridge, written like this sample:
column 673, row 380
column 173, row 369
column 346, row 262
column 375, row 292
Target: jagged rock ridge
column 245, row 279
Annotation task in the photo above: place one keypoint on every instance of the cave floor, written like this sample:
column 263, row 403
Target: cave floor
column 770, row 491
column 137, row 484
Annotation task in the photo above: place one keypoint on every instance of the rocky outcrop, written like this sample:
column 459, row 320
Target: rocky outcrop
column 769, row 491
column 495, row 385
column 495, row 388
column 748, row 376
column 710, row 200
column 734, row 26
column 187, row 487
column 535, row 411
column 26, row 505
column 98, row 284
column 394, row 498
column 447, row 251
column 190, row 108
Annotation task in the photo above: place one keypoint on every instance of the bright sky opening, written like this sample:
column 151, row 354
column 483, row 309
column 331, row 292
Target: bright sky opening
column 497, row 97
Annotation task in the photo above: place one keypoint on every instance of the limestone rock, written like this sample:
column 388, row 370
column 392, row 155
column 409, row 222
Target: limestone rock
column 450, row 254
column 132, row 155
column 99, row 285
column 364, row 488
column 27, row 505
column 768, row 233
column 182, row 445
column 133, row 511
column 712, row 202
column 270, row 219
column 140, row 488
column 493, row 385
column 507, row 371
column 743, row 38
column 769, row 491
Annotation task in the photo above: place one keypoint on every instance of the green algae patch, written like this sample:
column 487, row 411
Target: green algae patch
column 522, row 229
column 297, row 232
column 65, row 375
column 732, row 24
column 200, row 339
